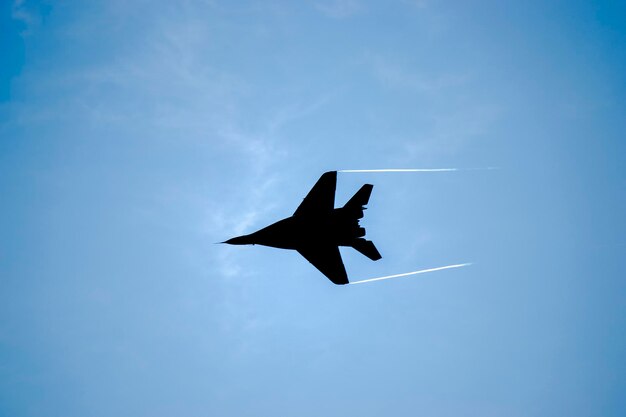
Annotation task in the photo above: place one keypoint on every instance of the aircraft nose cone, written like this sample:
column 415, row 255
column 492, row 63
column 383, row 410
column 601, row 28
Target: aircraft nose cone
column 240, row 240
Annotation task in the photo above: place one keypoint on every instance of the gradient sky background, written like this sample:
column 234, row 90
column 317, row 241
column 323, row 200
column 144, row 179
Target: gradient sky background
column 134, row 135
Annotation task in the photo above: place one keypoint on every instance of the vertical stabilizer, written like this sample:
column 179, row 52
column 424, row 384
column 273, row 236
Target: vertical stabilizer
column 360, row 198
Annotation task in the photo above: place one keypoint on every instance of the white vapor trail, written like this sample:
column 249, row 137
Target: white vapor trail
column 401, row 170
column 422, row 271
column 416, row 169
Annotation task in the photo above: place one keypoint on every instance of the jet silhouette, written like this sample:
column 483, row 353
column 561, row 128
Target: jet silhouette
column 317, row 229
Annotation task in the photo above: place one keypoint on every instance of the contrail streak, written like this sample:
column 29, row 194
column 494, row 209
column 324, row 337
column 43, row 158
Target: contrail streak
column 418, row 169
column 401, row 170
column 422, row 271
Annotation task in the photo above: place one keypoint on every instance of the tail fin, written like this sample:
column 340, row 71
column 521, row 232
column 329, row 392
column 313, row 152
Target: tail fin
column 355, row 207
column 361, row 198
column 367, row 248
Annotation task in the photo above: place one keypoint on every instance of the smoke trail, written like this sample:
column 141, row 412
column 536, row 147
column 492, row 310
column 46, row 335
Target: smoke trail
column 422, row 271
column 401, row 170
column 418, row 169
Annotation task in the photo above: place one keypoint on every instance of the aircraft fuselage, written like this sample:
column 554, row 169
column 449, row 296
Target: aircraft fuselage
column 339, row 227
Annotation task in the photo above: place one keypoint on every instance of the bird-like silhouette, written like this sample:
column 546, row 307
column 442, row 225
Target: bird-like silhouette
column 317, row 229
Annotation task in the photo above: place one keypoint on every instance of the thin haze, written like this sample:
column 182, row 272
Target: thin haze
column 134, row 135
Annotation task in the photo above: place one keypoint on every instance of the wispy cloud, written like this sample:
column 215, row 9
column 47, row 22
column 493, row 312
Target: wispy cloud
column 25, row 14
column 338, row 9
column 166, row 87
column 393, row 75
column 451, row 117
column 420, row 4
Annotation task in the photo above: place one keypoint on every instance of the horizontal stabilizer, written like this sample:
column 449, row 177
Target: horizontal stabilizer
column 361, row 197
column 367, row 248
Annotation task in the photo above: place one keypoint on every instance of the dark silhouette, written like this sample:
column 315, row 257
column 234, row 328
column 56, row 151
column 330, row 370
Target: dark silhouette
column 317, row 229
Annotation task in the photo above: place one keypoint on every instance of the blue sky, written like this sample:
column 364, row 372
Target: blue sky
column 134, row 135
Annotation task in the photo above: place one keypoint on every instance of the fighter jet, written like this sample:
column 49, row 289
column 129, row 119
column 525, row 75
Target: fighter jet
column 317, row 229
